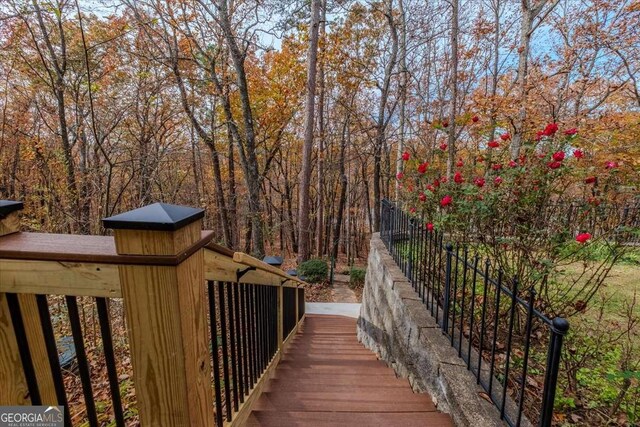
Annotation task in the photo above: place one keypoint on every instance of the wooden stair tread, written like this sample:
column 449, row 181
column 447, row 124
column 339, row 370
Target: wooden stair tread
column 327, row 378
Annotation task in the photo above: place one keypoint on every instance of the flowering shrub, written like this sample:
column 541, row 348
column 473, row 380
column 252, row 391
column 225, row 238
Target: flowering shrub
column 533, row 215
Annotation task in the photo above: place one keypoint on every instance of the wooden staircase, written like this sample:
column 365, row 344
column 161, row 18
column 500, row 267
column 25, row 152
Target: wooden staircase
column 327, row 378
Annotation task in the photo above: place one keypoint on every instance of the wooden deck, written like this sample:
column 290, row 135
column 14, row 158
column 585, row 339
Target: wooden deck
column 327, row 378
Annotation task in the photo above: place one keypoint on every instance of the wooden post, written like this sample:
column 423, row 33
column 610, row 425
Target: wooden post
column 166, row 314
column 13, row 384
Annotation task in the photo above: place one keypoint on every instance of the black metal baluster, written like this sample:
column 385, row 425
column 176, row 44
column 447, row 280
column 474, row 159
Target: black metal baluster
column 464, row 290
column 514, row 300
column 455, row 298
column 245, row 330
column 251, row 335
column 52, row 354
column 215, row 353
column 110, row 360
column 232, row 343
column 559, row 328
column 23, row 348
column 495, row 332
column 484, row 317
column 225, row 350
column 525, row 360
column 472, row 314
column 260, row 329
column 238, row 341
column 81, row 356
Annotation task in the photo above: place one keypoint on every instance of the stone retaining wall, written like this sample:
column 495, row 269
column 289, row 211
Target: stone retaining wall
column 395, row 324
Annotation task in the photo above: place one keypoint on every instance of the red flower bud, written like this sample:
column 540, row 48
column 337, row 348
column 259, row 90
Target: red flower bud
column 493, row 144
column 496, row 167
column 590, row 180
column 611, row 165
column 550, row 129
column 422, row 197
column 399, row 176
column 497, row 181
column 457, row 177
column 571, row 132
column 430, row 226
column 554, row 165
column 412, row 210
column 406, row 156
column 443, row 146
column 479, row 182
column 505, row 136
column 436, row 183
column 445, row 124
column 422, row 167
column 583, row 237
column 578, row 154
column 430, row 188
column 475, row 119
column 558, row 156
column 446, row 201
column 459, row 164
column 512, row 164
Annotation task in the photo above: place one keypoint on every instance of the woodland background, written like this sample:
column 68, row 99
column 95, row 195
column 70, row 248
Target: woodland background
column 285, row 119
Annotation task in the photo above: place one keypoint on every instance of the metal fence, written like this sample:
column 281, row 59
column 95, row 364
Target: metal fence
column 512, row 349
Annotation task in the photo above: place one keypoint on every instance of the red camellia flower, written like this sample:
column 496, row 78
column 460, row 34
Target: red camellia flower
column 443, row 146
column 512, row 164
column 558, row 156
column 445, row 124
column 611, row 165
column 457, row 177
column 436, row 183
column 496, row 167
column 446, row 201
column 475, row 119
column 479, row 182
column 571, row 132
column 590, row 180
column 406, row 156
column 550, row 129
column 422, row 167
column 443, row 179
column 430, row 226
column 493, row 144
column 583, row 237
column 422, row 197
column 497, row 181
column 430, row 188
column 412, row 210
column 554, row 165
column 399, row 176
column 539, row 135
column 460, row 163
column 505, row 136
column 578, row 154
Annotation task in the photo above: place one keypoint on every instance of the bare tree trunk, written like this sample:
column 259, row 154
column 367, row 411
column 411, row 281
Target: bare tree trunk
column 321, row 136
column 304, row 232
column 382, row 121
column 404, row 80
column 453, row 89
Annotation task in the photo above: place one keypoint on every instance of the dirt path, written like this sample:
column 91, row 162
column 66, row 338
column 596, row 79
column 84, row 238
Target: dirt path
column 340, row 292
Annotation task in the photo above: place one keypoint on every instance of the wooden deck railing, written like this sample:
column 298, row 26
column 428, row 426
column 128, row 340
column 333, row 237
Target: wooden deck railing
column 205, row 327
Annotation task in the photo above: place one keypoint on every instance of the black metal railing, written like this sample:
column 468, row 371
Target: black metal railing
column 505, row 342
column 67, row 358
column 244, row 340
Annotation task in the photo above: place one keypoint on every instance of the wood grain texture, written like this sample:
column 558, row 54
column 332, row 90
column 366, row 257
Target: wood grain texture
column 149, row 242
column 221, row 267
column 167, row 327
column 248, row 260
column 10, row 224
column 39, row 358
column 59, row 278
column 13, row 386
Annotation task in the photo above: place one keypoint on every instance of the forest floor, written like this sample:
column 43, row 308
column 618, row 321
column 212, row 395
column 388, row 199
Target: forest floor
column 339, row 291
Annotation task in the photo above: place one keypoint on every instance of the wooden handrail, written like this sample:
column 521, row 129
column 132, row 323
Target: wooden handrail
column 242, row 258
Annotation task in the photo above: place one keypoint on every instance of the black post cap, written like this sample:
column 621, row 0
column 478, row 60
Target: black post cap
column 8, row 206
column 275, row 261
column 156, row 217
